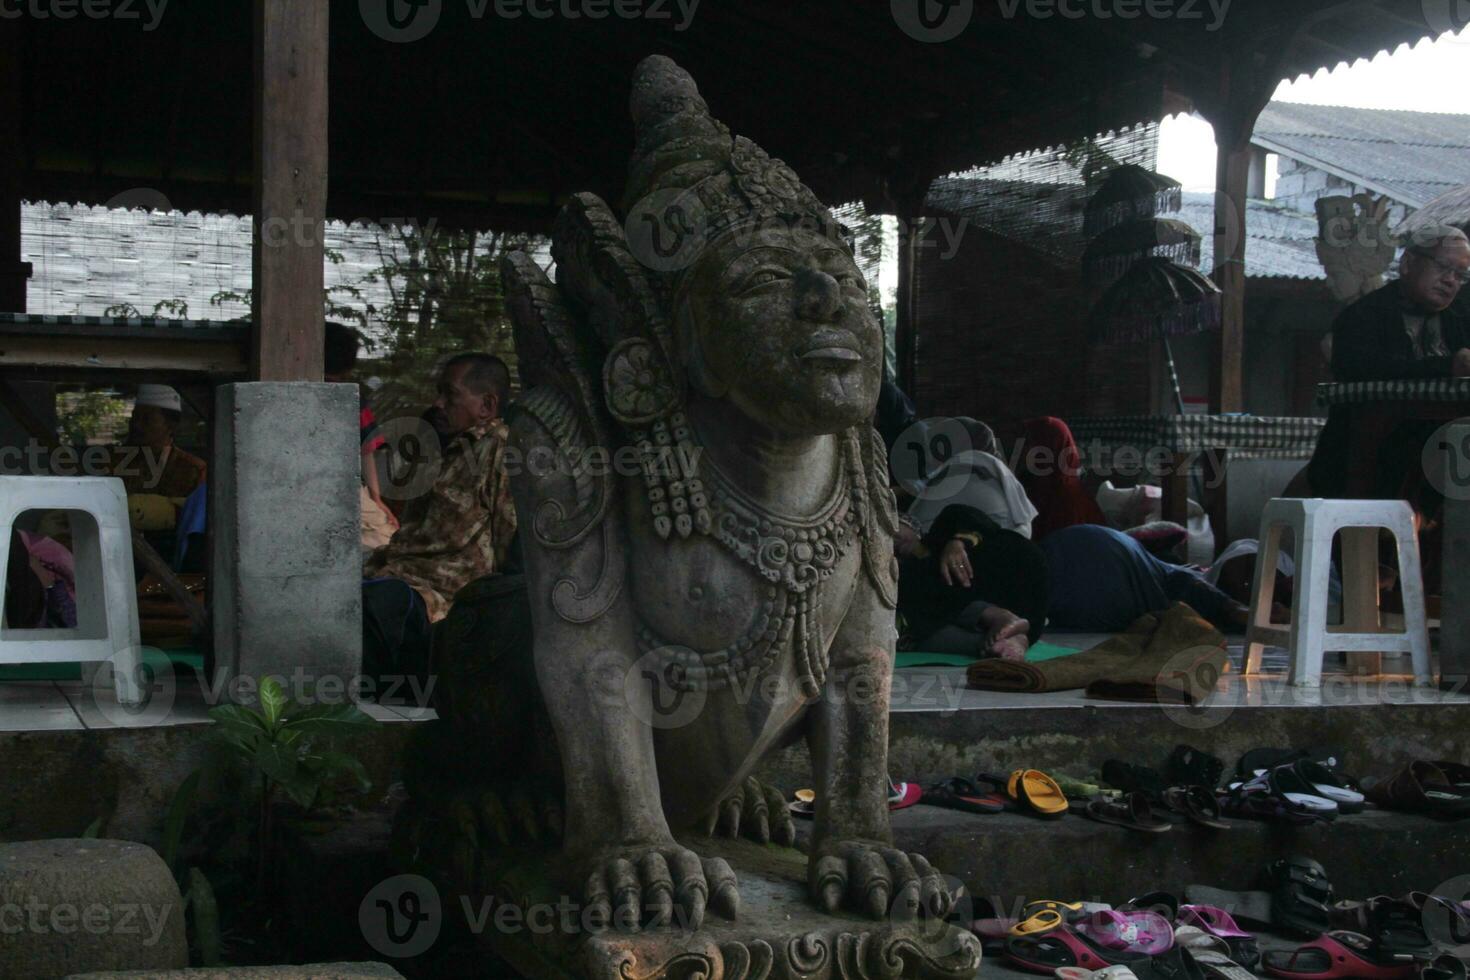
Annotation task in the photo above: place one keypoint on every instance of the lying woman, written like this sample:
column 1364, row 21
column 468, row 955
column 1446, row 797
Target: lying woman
column 968, row 586
column 1102, row 579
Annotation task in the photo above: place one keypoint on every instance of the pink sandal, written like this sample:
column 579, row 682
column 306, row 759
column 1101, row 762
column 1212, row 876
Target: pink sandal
column 1334, row 956
column 1138, row 931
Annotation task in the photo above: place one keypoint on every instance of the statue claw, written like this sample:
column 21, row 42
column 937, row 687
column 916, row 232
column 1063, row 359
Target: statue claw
column 877, row 881
column 756, row 812
column 633, row 889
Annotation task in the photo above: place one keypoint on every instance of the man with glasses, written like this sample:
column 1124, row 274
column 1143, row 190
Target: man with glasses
column 1417, row 326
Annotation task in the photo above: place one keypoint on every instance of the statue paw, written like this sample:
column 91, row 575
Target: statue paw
column 876, row 880
column 636, row 887
column 757, row 812
column 515, row 815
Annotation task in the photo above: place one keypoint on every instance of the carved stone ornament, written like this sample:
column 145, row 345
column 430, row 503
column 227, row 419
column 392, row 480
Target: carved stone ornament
column 750, row 548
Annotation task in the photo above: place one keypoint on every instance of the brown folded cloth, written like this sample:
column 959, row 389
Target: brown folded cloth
column 1170, row 657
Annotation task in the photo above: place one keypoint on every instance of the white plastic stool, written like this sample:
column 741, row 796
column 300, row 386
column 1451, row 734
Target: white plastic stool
column 107, row 598
column 1313, row 524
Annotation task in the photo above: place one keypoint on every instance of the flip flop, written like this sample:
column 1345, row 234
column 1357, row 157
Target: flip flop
column 1334, row 956
column 1443, row 967
column 1284, row 782
column 1039, row 792
column 961, row 794
column 1330, row 785
column 1064, row 947
column 1164, row 903
column 901, row 796
column 1421, row 787
column 1189, row 766
column 1252, row 907
column 1119, row 972
column 805, row 804
column 1134, row 932
column 1133, row 812
column 1219, row 966
column 1242, row 946
column 1196, row 803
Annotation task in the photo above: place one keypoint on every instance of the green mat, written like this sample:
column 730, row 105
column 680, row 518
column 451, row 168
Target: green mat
column 1038, row 653
column 152, row 656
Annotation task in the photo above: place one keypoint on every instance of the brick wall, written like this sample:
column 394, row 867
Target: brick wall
column 1002, row 336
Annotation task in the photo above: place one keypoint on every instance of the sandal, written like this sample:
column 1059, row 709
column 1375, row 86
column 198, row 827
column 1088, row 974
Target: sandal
column 1133, row 779
column 1332, row 956
column 1330, row 785
column 1258, row 802
column 956, row 793
column 1252, row 908
column 1133, row 932
column 1065, row 947
column 1164, row 903
column 1217, row 922
column 1301, row 895
column 1196, row 803
column 1132, row 811
column 1219, row 966
column 1421, row 787
column 901, row 796
column 1285, row 783
column 1188, row 766
column 1038, row 792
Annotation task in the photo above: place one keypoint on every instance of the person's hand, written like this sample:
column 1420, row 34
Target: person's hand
column 954, row 564
column 1460, row 366
column 1007, row 636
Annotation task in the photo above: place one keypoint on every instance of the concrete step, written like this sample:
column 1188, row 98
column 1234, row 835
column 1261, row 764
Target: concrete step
column 1009, row 856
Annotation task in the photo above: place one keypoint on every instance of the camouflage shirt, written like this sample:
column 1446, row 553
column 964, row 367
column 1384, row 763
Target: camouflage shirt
column 459, row 530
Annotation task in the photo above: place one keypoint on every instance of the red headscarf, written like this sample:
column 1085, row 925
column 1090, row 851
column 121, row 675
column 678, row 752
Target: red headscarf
column 1048, row 467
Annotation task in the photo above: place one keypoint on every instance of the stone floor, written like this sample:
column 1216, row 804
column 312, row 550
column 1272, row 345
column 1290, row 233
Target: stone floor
column 56, row 706
column 74, row 705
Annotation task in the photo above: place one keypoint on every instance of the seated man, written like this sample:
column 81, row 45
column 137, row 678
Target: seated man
column 457, row 531
column 1410, row 328
column 968, row 586
column 148, row 461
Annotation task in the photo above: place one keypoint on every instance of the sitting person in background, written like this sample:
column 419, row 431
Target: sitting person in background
column 1050, row 468
column 147, row 460
column 977, row 479
column 1102, row 579
column 40, row 583
column 967, row 586
column 456, row 532
column 1411, row 328
column 339, row 359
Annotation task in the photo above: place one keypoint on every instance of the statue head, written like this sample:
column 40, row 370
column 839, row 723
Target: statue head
column 767, row 305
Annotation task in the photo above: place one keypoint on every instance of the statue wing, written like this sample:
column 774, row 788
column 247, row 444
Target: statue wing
column 560, row 363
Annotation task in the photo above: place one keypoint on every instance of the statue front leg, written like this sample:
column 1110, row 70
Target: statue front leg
column 853, row 862
column 585, row 652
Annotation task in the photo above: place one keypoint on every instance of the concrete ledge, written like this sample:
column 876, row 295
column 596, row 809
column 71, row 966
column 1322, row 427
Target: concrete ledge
column 1013, row 856
column 310, row 971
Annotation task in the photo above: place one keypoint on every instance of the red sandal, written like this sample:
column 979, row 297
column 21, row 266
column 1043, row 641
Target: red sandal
column 1336, row 956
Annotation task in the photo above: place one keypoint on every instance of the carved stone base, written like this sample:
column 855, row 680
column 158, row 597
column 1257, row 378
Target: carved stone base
column 779, row 935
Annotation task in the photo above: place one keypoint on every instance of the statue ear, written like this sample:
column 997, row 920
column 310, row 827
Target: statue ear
column 701, row 375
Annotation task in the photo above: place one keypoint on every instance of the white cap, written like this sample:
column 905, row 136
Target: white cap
column 159, row 396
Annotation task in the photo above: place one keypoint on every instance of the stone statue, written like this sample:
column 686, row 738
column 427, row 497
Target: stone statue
column 1353, row 243
column 707, row 531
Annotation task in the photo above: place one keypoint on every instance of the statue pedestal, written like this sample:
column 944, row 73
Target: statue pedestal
column 779, row 934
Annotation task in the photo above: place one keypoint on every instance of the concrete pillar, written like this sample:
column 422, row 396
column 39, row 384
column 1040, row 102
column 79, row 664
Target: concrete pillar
column 1454, row 634
column 286, row 585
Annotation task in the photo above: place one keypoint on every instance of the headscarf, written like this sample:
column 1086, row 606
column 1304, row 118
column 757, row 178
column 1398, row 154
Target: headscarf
column 978, row 480
column 1050, row 478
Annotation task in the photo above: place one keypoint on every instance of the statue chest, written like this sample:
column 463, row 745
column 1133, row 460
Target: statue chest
column 720, row 608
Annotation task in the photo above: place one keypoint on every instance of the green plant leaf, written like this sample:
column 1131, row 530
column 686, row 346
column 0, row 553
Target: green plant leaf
column 327, row 764
column 277, row 761
column 238, row 719
column 173, row 822
column 205, row 913
column 272, row 701
column 330, row 719
column 94, row 829
column 303, row 788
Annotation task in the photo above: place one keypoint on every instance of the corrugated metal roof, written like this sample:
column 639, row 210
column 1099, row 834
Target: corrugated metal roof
column 1280, row 243
column 1412, row 156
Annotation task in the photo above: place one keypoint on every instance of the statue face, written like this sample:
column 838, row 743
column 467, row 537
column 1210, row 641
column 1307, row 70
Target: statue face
column 783, row 330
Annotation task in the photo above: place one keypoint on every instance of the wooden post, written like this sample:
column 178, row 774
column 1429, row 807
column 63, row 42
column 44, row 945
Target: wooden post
column 1232, row 172
column 906, row 318
column 290, row 193
column 13, row 272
